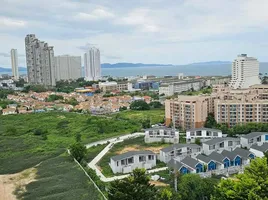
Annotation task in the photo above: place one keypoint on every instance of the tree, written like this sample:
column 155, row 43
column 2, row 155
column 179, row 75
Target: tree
column 78, row 137
column 192, row 186
column 210, row 121
column 122, row 108
column 155, row 104
column 251, row 185
column 135, row 187
column 139, row 105
column 72, row 101
column 146, row 123
column 198, row 141
column 78, row 151
column 54, row 97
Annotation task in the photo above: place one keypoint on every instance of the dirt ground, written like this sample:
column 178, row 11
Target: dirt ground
column 138, row 148
column 15, row 182
column 158, row 183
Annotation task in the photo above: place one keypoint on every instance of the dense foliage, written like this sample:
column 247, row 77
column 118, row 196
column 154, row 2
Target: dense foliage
column 137, row 187
column 4, row 93
column 35, row 88
column 139, row 105
column 251, row 185
column 54, row 97
column 78, row 151
column 210, row 121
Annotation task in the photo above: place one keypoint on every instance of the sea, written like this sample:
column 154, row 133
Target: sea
column 187, row 70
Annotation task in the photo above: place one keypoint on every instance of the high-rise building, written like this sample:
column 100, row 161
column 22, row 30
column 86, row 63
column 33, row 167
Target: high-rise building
column 187, row 111
column 92, row 64
column 245, row 72
column 14, row 63
column 40, row 61
column 67, row 67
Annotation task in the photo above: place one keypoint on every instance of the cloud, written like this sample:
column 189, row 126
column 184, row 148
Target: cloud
column 11, row 23
column 8, row 55
column 86, row 46
column 111, row 57
column 141, row 19
column 97, row 14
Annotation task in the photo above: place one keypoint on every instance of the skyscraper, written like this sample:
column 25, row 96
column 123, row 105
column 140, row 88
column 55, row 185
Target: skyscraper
column 14, row 63
column 245, row 72
column 67, row 67
column 92, row 64
column 40, row 61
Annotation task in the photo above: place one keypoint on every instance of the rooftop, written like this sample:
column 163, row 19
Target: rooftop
column 130, row 154
column 217, row 140
column 178, row 146
column 159, row 128
column 263, row 147
column 253, row 134
column 207, row 129
column 191, row 162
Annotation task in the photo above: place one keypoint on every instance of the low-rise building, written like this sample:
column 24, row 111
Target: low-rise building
column 259, row 151
column 127, row 162
column 161, row 134
column 220, row 144
column 254, row 138
column 179, row 151
column 9, row 111
column 203, row 134
column 186, row 165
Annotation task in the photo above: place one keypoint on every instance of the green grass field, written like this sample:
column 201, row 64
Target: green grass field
column 30, row 139
column 138, row 143
column 60, row 178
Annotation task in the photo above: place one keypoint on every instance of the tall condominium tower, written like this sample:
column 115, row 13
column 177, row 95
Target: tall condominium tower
column 67, row 67
column 92, row 64
column 40, row 61
column 245, row 72
column 14, row 63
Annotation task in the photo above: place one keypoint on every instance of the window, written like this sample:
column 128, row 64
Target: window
column 230, row 143
column 221, row 144
column 151, row 157
column 259, row 139
column 142, row 158
column 211, row 147
column 117, row 163
column 266, row 137
column 130, row 160
column 215, row 134
column 122, row 162
column 198, row 133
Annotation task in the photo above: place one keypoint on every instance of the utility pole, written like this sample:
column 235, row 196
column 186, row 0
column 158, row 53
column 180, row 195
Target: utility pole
column 175, row 177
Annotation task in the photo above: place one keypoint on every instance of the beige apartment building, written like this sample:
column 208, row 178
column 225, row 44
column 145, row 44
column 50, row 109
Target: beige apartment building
column 187, row 111
column 230, row 106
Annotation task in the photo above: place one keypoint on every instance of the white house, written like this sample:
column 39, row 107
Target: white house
column 9, row 111
column 186, row 165
column 203, row 134
column 259, row 150
column 179, row 151
column 220, row 144
column 161, row 133
column 254, row 138
column 127, row 162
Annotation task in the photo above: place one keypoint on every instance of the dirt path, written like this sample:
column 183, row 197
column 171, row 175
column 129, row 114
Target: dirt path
column 15, row 182
column 138, row 148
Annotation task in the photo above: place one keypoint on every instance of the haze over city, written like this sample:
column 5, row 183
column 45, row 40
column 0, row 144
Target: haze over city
column 152, row 31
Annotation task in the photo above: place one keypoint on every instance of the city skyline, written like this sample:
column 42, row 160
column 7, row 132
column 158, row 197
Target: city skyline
column 136, row 31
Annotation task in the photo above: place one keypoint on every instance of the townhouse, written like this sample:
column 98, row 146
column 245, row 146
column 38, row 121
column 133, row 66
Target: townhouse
column 180, row 151
column 127, row 162
column 203, row 134
column 220, row 144
column 259, row 151
column 161, row 134
column 254, row 138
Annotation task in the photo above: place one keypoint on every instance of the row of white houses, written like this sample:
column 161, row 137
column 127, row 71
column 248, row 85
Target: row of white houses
column 217, row 153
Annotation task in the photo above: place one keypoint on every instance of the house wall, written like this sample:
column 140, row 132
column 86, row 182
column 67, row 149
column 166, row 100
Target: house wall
column 203, row 137
column 208, row 151
column 127, row 168
column 159, row 136
column 246, row 142
column 257, row 152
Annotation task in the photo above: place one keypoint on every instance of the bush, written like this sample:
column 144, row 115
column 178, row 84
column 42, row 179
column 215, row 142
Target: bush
column 139, row 105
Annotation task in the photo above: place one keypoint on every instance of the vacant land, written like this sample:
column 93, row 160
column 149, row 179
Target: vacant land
column 135, row 144
column 155, row 115
column 31, row 139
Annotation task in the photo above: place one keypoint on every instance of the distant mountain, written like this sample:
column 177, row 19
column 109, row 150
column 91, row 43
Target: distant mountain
column 9, row 70
column 124, row 65
column 211, row 63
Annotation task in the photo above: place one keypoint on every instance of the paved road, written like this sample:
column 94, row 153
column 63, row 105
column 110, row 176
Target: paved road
column 112, row 141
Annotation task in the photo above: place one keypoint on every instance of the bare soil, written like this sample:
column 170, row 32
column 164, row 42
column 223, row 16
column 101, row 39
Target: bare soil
column 158, row 183
column 138, row 148
column 15, row 183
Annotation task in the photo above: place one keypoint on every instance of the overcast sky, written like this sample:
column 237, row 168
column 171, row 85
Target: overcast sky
column 147, row 31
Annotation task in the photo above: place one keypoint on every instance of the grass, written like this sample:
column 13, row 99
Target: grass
column 137, row 142
column 60, row 178
column 92, row 152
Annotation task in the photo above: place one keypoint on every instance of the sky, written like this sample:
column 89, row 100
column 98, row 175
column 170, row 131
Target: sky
column 139, row 31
